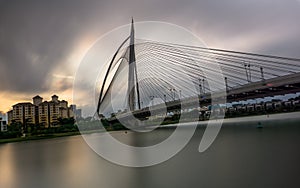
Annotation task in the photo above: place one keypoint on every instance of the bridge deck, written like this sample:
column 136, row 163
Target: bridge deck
column 275, row 86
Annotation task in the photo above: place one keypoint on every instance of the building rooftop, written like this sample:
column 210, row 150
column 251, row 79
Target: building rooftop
column 23, row 103
column 37, row 97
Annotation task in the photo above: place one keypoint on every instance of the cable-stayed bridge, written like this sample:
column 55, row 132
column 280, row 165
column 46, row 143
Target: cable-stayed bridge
column 143, row 70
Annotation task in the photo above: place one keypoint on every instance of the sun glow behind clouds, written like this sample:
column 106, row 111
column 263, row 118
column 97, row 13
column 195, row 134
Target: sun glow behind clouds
column 59, row 82
column 62, row 76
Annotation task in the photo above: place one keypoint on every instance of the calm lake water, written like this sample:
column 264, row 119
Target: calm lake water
column 241, row 156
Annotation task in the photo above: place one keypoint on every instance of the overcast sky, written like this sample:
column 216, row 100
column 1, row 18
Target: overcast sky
column 42, row 41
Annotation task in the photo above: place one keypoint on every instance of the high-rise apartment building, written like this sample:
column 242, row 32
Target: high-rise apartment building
column 46, row 113
column 43, row 113
column 24, row 113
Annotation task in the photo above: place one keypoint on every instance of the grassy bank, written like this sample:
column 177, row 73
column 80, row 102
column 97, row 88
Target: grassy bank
column 47, row 136
column 38, row 137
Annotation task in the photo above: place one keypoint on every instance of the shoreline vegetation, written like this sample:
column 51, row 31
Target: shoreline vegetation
column 37, row 137
column 72, row 130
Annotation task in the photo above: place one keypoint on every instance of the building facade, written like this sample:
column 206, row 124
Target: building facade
column 45, row 113
column 23, row 113
column 9, row 117
column 3, row 125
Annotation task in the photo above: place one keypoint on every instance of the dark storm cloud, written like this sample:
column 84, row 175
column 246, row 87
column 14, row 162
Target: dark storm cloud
column 37, row 36
column 220, row 23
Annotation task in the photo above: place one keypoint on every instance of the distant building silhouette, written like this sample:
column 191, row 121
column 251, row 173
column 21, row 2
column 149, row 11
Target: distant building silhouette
column 76, row 112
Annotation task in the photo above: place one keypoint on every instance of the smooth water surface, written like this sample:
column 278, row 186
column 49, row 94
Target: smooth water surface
column 241, row 156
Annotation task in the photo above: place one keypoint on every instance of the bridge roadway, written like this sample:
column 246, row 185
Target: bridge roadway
column 266, row 88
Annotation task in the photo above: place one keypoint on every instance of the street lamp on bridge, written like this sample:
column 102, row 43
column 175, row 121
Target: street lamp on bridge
column 151, row 99
column 172, row 90
column 179, row 94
